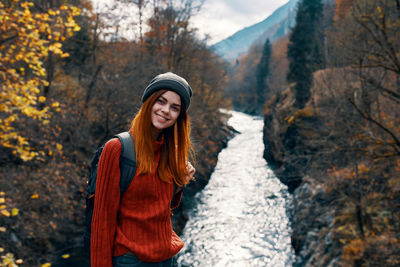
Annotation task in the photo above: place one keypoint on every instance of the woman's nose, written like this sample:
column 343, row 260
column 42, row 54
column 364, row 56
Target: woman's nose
column 165, row 108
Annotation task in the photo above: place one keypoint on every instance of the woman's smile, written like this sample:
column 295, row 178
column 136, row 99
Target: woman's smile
column 162, row 118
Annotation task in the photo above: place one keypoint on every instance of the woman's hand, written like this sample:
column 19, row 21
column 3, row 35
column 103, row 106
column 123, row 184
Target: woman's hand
column 191, row 171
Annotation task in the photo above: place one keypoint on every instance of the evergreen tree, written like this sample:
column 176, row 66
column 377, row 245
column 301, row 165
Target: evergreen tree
column 262, row 73
column 304, row 51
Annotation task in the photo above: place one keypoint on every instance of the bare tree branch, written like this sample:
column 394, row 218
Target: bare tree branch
column 377, row 123
column 384, row 44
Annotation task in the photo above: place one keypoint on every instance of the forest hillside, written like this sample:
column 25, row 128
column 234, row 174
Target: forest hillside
column 69, row 82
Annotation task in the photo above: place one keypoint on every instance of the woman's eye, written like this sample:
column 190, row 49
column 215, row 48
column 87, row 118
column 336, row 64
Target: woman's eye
column 175, row 109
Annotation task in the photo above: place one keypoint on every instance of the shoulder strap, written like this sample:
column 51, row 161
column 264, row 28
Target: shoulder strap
column 173, row 195
column 127, row 161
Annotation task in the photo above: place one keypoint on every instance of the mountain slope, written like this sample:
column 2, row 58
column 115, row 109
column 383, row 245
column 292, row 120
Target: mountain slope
column 273, row 27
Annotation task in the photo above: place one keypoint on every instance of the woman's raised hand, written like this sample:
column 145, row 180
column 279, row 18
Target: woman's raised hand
column 191, row 170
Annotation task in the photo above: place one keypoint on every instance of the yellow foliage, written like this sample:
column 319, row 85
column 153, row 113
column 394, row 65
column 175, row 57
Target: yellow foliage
column 42, row 99
column 362, row 168
column 394, row 184
column 55, row 104
column 26, row 40
column 354, row 250
column 8, row 260
column 290, row 119
column 53, row 225
column 65, row 256
column 14, row 212
column 305, row 112
column 301, row 113
column 5, row 213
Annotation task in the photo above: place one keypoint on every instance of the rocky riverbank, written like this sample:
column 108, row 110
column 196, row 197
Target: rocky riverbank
column 345, row 197
column 288, row 153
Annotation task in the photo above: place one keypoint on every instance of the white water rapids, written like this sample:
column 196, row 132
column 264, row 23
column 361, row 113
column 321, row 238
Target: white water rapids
column 240, row 217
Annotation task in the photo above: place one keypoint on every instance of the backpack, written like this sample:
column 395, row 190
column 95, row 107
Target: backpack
column 127, row 165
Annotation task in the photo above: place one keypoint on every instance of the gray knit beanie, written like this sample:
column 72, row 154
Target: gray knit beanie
column 169, row 81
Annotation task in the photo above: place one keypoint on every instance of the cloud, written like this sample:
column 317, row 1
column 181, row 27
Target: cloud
column 222, row 18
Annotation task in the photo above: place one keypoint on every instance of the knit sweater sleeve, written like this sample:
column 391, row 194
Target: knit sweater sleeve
column 106, row 205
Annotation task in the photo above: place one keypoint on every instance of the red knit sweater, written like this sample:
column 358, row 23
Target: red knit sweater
column 140, row 222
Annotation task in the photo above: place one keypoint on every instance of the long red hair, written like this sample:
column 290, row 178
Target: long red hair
column 176, row 150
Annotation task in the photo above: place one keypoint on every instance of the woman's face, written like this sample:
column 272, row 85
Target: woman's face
column 165, row 112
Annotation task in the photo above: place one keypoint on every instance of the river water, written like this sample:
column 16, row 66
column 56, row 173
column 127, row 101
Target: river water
column 240, row 217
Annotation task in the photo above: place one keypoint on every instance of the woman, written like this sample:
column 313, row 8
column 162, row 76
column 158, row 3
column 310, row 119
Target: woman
column 135, row 230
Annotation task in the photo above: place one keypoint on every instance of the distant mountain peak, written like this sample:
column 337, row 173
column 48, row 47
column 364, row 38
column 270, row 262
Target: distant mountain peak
column 276, row 25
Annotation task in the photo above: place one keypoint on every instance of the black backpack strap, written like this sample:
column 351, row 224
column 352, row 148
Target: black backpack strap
column 127, row 163
column 174, row 193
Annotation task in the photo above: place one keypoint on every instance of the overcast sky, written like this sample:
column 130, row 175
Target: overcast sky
column 222, row 18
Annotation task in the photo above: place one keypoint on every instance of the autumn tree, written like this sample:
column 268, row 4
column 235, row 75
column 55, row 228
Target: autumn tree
column 243, row 84
column 26, row 40
column 169, row 33
column 29, row 36
column 141, row 6
column 249, row 86
column 342, row 8
column 278, row 65
column 82, row 44
column 373, row 53
column 369, row 33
